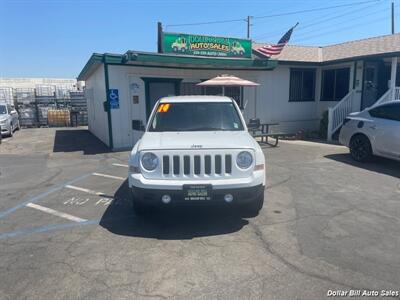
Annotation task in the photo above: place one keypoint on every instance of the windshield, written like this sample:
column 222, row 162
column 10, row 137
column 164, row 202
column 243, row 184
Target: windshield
column 3, row 110
column 197, row 116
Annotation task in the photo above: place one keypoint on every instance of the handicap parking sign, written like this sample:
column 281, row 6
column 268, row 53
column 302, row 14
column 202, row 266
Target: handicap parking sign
column 113, row 98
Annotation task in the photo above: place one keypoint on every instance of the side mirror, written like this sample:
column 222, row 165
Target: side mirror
column 138, row 125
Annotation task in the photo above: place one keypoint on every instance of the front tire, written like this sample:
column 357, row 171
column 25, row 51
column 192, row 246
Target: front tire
column 360, row 148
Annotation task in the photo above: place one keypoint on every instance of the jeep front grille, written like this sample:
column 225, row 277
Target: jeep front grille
column 196, row 165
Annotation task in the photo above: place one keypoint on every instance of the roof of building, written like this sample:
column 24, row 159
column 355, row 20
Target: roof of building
column 136, row 58
column 380, row 45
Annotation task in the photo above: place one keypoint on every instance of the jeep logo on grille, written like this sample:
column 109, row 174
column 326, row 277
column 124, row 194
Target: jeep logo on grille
column 196, row 146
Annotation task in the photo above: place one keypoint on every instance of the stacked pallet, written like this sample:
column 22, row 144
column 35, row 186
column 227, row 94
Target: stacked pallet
column 27, row 116
column 7, row 95
column 78, row 109
column 35, row 105
column 45, row 90
column 25, row 95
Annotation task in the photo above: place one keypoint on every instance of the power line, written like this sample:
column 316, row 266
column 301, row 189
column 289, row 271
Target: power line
column 307, row 33
column 340, row 29
column 321, row 20
column 315, row 9
column 272, row 16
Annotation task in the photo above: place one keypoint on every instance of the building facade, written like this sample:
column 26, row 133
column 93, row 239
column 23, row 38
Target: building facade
column 296, row 87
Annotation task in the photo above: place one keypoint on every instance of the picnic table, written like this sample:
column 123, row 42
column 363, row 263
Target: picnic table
column 261, row 130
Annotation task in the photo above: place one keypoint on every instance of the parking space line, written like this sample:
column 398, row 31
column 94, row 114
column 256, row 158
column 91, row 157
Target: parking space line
column 47, row 228
column 41, row 196
column 120, row 165
column 108, row 176
column 56, row 213
column 77, row 188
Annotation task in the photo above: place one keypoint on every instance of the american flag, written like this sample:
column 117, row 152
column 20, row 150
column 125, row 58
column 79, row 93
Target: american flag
column 270, row 50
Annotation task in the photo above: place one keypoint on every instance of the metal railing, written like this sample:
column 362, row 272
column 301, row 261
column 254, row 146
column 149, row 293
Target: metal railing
column 338, row 113
column 396, row 93
column 392, row 94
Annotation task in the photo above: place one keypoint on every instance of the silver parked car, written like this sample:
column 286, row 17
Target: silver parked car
column 9, row 121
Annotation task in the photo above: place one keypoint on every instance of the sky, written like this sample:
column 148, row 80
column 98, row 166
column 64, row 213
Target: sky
column 55, row 38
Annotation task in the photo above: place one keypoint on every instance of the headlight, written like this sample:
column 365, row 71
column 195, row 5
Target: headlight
column 244, row 159
column 149, row 161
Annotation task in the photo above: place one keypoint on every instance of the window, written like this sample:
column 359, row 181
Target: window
column 197, row 116
column 302, row 85
column 388, row 111
column 190, row 88
column 335, row 84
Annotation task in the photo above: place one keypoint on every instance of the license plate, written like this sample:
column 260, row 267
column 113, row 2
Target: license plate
column 197, row 192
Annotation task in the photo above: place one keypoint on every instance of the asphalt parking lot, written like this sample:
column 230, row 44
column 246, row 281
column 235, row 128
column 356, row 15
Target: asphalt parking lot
column 67, row 229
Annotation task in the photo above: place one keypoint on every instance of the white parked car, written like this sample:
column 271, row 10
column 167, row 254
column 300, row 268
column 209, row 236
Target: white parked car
column 9, row 121
column 196, row 149
column 374, row 131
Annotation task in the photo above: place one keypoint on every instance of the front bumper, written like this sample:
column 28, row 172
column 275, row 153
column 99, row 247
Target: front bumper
column 139, row 181
column 240, row 195
column 5, row 129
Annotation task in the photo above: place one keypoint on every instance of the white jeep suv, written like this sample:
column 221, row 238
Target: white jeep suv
column 196, row 149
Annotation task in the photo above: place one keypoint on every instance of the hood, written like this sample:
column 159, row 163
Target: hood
column 360, row 114
column 3, row 117
column 197, row 140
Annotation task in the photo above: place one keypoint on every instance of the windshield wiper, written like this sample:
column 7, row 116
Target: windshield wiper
column 202, row 129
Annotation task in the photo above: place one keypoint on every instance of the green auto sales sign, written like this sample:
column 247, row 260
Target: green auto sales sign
column 202, row 45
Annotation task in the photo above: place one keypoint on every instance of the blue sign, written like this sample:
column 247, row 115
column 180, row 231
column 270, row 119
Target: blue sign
column 113, row 98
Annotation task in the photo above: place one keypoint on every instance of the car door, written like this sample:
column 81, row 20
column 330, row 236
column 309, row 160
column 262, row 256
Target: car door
column 13, row 115
column 386, row 130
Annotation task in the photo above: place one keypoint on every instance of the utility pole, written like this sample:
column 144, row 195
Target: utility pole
column 159, row 38
column 392, row 16
column 248, row 25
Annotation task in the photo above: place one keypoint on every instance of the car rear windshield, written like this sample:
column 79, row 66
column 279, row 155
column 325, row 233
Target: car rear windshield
column 3, row 110
column 196, row 116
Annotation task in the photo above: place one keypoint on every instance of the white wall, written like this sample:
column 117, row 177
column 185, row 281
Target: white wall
column 273, row 103
column 96, row 95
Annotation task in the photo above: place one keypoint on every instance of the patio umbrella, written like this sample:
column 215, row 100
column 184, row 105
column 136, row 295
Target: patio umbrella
column 229, row 80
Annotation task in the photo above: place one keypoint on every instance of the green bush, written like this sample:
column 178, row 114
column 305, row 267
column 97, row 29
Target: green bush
column 323, row 126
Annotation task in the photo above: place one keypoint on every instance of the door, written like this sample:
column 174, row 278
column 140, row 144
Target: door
column 370, row 86
column 14, row 116
column 157, row 88
column 386, row 130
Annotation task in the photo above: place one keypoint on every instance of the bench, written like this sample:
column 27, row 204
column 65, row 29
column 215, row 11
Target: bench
column 261, row 130
column 267, row 135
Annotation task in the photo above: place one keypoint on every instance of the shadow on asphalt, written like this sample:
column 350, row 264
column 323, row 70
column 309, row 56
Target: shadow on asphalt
column 78, row 140
column 376, row 164
column 172, row 223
